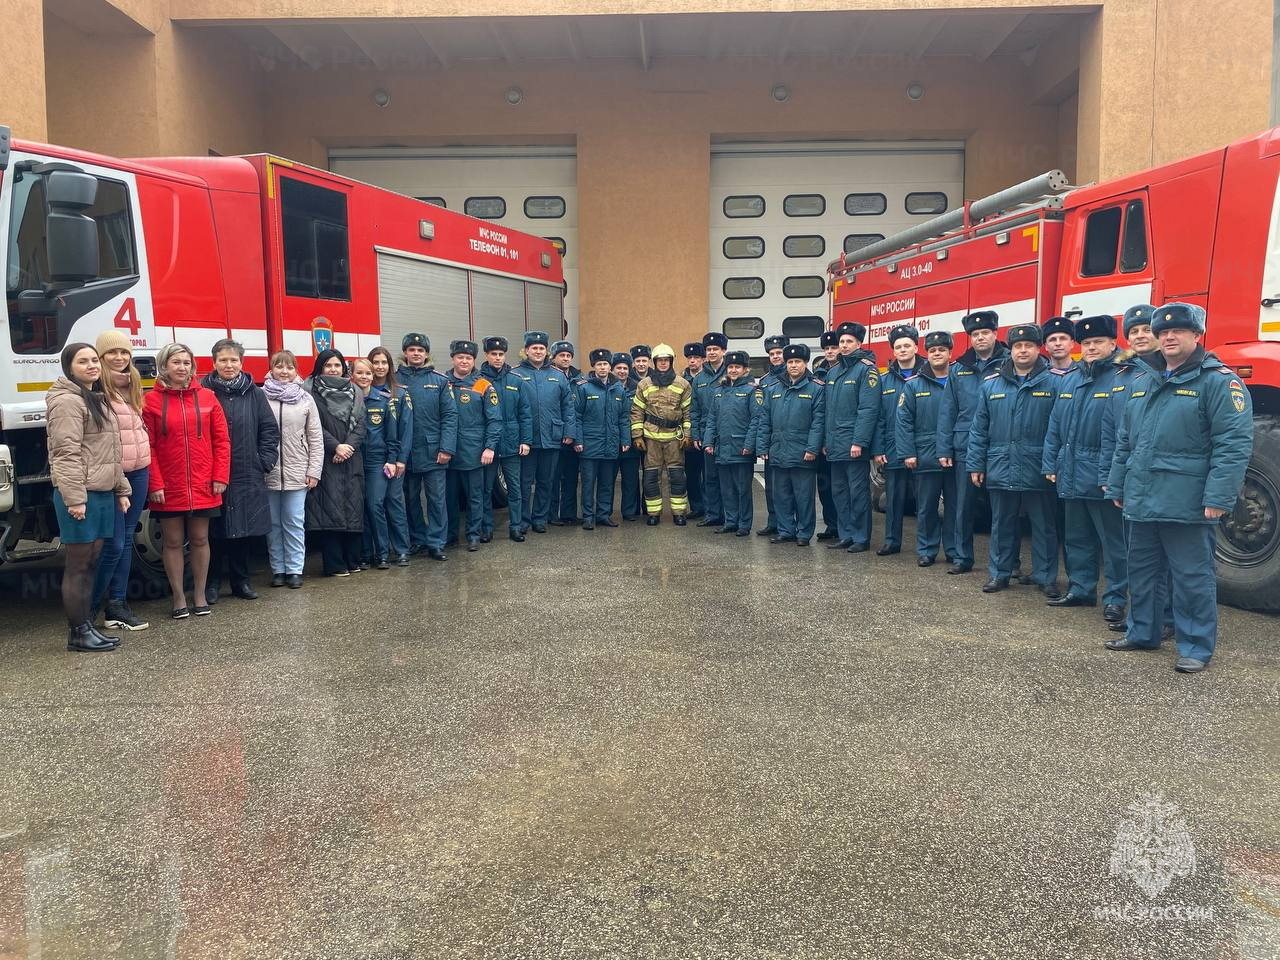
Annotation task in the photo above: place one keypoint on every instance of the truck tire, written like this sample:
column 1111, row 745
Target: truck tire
column 147, row 572
column 1248, row 548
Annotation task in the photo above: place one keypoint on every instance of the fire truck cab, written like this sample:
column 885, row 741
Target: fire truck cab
column 1202, row 230
column 274, row 254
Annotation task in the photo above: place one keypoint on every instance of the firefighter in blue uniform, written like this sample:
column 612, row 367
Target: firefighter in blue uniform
column 712, row 372
column 790, row 437
column 852, row 416
column 387, row 442
column 551, row 396
column 1073, row 461
column 731, row 426
column 1059, row 335
column 1005, row 454
column 694, row 462
column 830, row 343
column 920, row 403
column 479, row 431
column 435, row 438
column 775, row 369
column 964, row 393
column 902, row 369
column 564, row 487
column 1182, row 446
column 515, row 441
column 629, row 464
column 1130, row 363
column 604, row 434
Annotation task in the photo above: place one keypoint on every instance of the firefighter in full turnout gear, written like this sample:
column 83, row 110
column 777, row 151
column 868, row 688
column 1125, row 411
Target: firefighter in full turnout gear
column 660, row 427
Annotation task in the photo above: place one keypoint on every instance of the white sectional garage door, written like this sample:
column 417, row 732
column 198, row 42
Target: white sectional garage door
column 781, row 212
column 531, row 189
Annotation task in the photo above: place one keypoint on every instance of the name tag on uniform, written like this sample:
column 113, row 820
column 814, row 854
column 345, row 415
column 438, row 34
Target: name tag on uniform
column 1117, row 388
column 1101, row 396
column 775, row 396
column 593, row 396
column 996, row 396
column 432, row 386
column 964, row 373
column 510, row 387
column 1065, row 396
column 1138, row 393
column 889, row 393
column 924, row 393
column 1041, row 393
column 1183, row 392
column 806, row 396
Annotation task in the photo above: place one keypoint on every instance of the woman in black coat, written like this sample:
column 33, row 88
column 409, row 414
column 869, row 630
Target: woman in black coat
column 255, row 444
column 335, row 506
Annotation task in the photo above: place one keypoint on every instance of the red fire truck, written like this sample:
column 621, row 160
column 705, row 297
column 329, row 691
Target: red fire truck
column 275, row 254
column 1204, row 230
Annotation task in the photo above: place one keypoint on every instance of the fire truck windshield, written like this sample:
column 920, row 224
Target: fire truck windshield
column 27, row 264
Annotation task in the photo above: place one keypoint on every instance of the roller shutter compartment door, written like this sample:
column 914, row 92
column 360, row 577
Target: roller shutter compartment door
column 497, row 308
column 546, row 309
column 417, row 296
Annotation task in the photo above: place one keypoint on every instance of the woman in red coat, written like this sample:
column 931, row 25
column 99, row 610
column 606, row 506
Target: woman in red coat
column 190, row 468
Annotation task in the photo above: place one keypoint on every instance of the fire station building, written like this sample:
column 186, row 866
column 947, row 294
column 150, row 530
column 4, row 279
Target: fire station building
column 700, row 160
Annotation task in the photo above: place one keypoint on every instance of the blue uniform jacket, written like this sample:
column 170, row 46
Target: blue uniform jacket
column 1129, row 366
column 893, row 386
column 515, row 408
column 703, row 385
column 920, row 406
column 733, row 419
column 388, row 423
column 1183, row 441
column 1006, row 439
column 604, row 418
column 1073, row 446
column 964, row 390
column 479, row 421
column 551, row 397
column 793, row 422
column 852, row 405
column 435, row 416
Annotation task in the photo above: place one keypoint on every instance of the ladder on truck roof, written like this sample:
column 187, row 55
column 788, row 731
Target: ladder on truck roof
column 1038, row 193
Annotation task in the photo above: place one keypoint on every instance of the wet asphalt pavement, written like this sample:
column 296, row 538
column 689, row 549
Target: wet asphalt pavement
column 630, row 743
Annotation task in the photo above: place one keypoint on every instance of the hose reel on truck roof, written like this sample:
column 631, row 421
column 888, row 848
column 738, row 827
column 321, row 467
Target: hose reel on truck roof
column 1051, row 184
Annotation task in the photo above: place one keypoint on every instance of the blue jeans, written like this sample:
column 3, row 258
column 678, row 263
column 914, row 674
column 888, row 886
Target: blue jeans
column 1042, row 510
column 287, row 541
column 793, row 499
column 1178, row 556
column 539, row 468
column 896, row 483
column 386, row 519
column 851, row 488
column 426, row 531
column 1095, row 526
column 464, row 489
column 597, row 488
column 736, row 494
column 512, row 468
column 116, row 559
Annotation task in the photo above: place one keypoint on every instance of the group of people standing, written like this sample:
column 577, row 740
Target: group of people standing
column 1129, row 457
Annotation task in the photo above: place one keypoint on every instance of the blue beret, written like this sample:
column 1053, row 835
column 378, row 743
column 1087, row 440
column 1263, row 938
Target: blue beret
column 714, row 339
column 1099, row 326
column 938, row 338
column 416, row 340
column 1178, row 316
column 535, row 336
column 1139, row 315
column 796, row 351
column 1025, row 331
column 496, row 343
column 1059, row 325
column 981, row 320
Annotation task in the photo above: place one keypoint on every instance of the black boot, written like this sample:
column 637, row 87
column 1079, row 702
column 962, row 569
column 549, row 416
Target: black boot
column 104, row 637
column 83, row 639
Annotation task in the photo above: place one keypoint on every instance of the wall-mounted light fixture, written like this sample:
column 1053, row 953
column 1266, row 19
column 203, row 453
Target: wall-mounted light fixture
column 915, row 90
column 381, row 97
column 514, row 96
column 780, row 92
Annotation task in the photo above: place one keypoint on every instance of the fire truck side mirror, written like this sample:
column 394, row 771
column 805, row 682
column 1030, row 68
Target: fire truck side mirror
column 71, row 236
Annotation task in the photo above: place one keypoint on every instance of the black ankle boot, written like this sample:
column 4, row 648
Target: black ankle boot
column 105, row 637
column 83, row 639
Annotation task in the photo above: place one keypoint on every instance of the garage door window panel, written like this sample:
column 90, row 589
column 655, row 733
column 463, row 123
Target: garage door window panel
column 856, row 241
column 804, row 246
column 743, row 328
column 743, row 248
column 485, row 208
column 434, row 201
column 744, row 288
column 315, row 241
column 926, row 203
column 865, row 204
column 801, row 288
column 544, row 208
column 803, row 328
column 804, row 205
column 740, row 207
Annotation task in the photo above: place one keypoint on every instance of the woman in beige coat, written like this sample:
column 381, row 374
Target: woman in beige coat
column 89, row 485
column 296, row 471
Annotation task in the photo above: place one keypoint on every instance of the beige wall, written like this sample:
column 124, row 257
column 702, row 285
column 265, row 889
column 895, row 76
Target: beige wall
column 22, row 94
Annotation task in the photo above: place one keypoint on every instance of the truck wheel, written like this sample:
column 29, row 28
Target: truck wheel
column 148, row 560
column 1248, row 548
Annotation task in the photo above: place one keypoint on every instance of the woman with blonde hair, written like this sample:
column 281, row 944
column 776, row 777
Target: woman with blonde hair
column 123, row 386
column 190, row 469
column 297, row 468
column 89, row 487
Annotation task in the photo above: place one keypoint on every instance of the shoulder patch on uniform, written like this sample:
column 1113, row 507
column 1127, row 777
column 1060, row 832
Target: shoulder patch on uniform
column 868, row 361
column 873, row 378
column 991, row 376
column 1225, row 371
